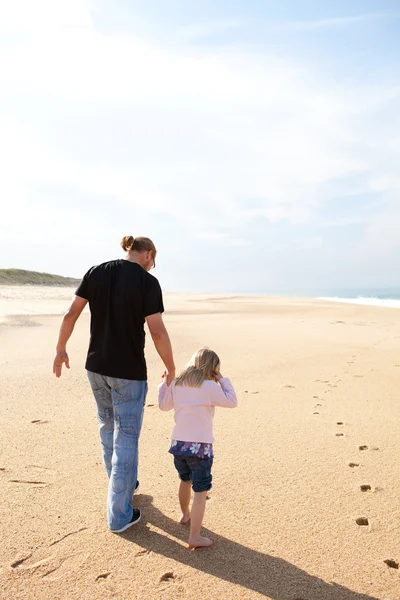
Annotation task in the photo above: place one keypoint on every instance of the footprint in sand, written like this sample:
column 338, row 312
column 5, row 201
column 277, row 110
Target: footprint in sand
column 35, row 483
column 67, row 535
column 32, row 560
column 169, row 576
column 65, row 566
column 51, row 564
column 365, row 487
column 393, row 564
column 39, row 467
column 143, row 552
column 365, row 447
column 19, row 564
column 102, row 576
column 20, row 561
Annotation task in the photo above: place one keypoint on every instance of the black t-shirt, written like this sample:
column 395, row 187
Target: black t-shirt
column 121, row 295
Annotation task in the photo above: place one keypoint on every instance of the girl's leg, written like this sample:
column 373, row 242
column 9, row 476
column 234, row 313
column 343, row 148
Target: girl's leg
column 184, row 500
column 196, row 519
column 183, row 469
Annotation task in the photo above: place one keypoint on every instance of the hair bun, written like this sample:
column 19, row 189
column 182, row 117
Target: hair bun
column 127, row 242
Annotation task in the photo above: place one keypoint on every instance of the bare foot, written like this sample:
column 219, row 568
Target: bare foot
column 184, row 519
column 199, row 542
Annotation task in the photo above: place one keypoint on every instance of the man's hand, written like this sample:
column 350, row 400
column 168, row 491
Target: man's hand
column 60, row 359
column 168, row 377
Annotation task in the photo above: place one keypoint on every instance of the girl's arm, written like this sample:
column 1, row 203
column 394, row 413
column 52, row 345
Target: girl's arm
column 223, row 394
column 165, row 397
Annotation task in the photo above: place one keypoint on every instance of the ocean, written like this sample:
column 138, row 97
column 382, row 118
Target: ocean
column 384, row 297
column 387, row 302
column 44, row 300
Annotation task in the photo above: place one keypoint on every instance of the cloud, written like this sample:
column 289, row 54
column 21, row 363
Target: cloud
column 337, row 21
column 205, row 29
column 217, row 139
column 23, row 16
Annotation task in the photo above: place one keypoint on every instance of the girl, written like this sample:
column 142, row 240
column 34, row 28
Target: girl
column 193, row 395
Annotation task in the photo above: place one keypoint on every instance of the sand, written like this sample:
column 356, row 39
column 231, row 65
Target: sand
column 318, row 418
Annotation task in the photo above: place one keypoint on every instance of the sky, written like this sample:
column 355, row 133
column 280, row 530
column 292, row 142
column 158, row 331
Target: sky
column 256, row 142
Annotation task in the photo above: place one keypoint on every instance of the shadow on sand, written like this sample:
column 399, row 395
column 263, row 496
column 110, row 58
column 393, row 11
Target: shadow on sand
column 268, row 575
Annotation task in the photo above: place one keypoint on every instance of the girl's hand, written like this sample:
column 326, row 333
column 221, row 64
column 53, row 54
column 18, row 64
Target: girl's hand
column 217, row 375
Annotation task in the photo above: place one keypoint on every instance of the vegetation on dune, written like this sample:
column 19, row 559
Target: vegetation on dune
column 22, row 277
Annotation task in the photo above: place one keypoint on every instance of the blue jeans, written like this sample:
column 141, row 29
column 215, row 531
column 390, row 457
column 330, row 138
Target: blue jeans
column 120, row 406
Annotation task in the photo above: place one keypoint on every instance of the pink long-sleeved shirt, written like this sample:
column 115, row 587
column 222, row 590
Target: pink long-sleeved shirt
column 195, row 407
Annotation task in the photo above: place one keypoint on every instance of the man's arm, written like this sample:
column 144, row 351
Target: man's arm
column 162, row 343
column 66, row 329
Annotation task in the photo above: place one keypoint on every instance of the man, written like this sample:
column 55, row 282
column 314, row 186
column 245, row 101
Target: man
column 122, row 295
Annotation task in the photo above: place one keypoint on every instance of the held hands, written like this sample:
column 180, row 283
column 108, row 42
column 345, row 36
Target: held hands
column 168, row 377
column 60, row 359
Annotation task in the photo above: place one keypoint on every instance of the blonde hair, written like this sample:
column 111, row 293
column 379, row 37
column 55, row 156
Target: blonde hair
column 139, row 244
column 203, row 365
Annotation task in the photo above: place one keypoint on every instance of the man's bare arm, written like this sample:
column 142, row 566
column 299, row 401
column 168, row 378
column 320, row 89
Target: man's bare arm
column 66, row 329
column 162, row 343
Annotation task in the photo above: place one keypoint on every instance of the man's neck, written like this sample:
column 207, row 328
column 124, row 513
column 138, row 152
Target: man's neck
column 132, row 257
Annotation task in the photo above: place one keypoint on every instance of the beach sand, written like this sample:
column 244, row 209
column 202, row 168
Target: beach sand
column 318, row 417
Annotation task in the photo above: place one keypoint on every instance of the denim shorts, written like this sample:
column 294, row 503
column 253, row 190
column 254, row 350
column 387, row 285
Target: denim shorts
column 194, row 469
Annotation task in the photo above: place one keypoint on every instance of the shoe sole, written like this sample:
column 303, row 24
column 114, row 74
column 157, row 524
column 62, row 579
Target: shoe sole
column 126, row 526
